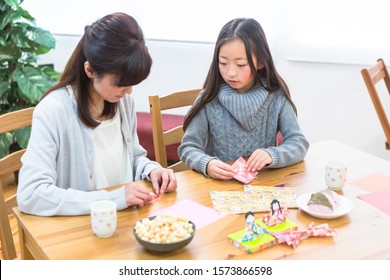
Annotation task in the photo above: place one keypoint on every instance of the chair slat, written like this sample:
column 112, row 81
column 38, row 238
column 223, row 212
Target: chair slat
column 9, row 164
column 161, row 138
column 372, row 76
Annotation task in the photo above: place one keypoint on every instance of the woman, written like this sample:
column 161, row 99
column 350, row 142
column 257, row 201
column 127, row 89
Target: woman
column 84, row 134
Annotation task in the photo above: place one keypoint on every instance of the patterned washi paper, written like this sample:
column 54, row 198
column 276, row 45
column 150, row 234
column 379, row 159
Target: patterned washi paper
column 252, row 198
column 286, row 195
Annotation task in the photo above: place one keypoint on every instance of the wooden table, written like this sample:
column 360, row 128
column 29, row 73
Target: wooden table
column 364, row 233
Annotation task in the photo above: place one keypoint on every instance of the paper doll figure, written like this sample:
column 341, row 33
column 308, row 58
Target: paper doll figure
column 277, row 215
column 252, row 230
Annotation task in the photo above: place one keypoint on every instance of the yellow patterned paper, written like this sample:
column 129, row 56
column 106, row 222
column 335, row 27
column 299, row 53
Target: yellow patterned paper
column 286, row 195
column 252, row 198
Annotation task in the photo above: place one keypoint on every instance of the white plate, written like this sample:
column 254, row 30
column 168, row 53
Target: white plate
column 344, row 207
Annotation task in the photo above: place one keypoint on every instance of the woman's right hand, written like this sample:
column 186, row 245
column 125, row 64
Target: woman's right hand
column 136, row 195
column 219, row 170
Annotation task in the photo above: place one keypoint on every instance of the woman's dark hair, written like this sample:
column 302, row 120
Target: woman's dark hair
column 250, row 32
column 113, row 45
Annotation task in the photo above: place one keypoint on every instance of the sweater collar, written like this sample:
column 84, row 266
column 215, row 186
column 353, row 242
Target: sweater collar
column 244, row 107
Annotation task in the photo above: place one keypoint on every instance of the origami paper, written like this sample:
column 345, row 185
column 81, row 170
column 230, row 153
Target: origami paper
column 252, row 229
column 294, row 237
column 154, row 198
column 252, row 198
column 253, row 246
column 286, row 195
column 242, row 174
column 276, row 220
column 199, row 214
column 237, row 202
column 286, row 226
column 379, row 200
column 373, row 183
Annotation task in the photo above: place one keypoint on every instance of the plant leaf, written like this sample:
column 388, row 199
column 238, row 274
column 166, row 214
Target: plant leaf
column 4, row 87
column 31, row 83
column 5, row 53
column 50, row 73
column 22, row 136
column 5, row 141
column 9, row 18
column 12, row 3
column 41, row 37
column 26, row 15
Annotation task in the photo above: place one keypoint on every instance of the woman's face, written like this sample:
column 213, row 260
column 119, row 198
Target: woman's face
column 234, row 66
column 104, row 87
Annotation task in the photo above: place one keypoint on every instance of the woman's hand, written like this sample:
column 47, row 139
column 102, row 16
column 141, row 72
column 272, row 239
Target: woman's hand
column 219, row 170
column 136, row 195
column 163, row 180
column 258, row 159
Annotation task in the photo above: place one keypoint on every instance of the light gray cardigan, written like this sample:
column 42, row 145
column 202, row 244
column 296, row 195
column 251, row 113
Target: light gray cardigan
column 235, row 124
column 57, row 176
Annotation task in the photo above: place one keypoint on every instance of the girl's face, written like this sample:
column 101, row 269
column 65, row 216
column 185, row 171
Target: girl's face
column 105, row 88
column 234, row 66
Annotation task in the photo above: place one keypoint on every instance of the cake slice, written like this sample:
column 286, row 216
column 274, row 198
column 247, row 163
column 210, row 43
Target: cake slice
column 324, row 202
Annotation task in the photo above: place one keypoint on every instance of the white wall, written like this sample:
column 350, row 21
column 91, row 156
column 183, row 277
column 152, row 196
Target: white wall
column 320, row 60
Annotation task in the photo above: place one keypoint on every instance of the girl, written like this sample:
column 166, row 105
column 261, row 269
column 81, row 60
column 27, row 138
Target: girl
column 83, row 134
column 243, row 105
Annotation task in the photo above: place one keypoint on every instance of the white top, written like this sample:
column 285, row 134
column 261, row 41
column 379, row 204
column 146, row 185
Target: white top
column 112, row 163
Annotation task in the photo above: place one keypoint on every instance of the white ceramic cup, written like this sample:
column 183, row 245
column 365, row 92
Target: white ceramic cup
column 103, row 218
column 336, row 174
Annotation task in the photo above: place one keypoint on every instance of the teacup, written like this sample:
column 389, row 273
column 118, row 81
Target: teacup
column 336, row 174
column 103, row 218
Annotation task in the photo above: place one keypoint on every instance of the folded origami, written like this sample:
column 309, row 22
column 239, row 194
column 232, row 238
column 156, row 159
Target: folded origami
column 242, row 174
column 293, row 237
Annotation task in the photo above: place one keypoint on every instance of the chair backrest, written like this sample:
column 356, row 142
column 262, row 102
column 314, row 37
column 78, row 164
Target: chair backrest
column 161, row 138
column 371, row 77
column 9, row 164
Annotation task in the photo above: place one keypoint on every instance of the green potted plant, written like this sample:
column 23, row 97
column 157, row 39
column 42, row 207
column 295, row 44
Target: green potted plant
column 22, row 80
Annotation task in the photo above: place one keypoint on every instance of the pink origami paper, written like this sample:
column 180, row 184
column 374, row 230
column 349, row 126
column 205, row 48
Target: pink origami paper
column 154, row 198
column 242, row 174
column 295, row 236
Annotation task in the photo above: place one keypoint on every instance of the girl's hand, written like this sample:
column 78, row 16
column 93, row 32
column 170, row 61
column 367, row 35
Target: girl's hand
column 136, row 195
column 163, row 180
column 219, row 170
column 258, row 159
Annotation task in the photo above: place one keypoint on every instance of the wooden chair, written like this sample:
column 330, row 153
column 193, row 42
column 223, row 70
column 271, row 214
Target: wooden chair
column 8, row 165
column 371, row 77
column 161, row 138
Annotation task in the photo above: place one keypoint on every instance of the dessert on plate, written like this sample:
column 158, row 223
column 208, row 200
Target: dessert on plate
column 324, row 202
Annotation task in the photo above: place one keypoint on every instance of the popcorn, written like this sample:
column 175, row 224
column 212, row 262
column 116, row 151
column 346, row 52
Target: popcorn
column 165, row 228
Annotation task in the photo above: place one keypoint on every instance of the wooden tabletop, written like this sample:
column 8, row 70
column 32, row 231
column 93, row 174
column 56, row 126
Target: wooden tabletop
column 364, row 233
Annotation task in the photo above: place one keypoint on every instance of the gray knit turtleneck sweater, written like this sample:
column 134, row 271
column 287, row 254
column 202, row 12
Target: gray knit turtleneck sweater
column 235, row 124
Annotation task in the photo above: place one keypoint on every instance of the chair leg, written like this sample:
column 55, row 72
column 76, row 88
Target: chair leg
column 7, row 241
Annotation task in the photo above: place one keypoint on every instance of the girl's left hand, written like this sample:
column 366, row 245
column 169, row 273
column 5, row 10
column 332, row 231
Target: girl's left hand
column 163, row 180
column 258, row 159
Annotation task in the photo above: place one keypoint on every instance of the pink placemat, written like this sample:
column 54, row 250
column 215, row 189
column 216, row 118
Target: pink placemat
column 200, row 215
column 373, row 183
column 379, row 200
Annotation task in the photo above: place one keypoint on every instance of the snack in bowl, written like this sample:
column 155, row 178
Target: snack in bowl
column 164, row 233
column 324, row 202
